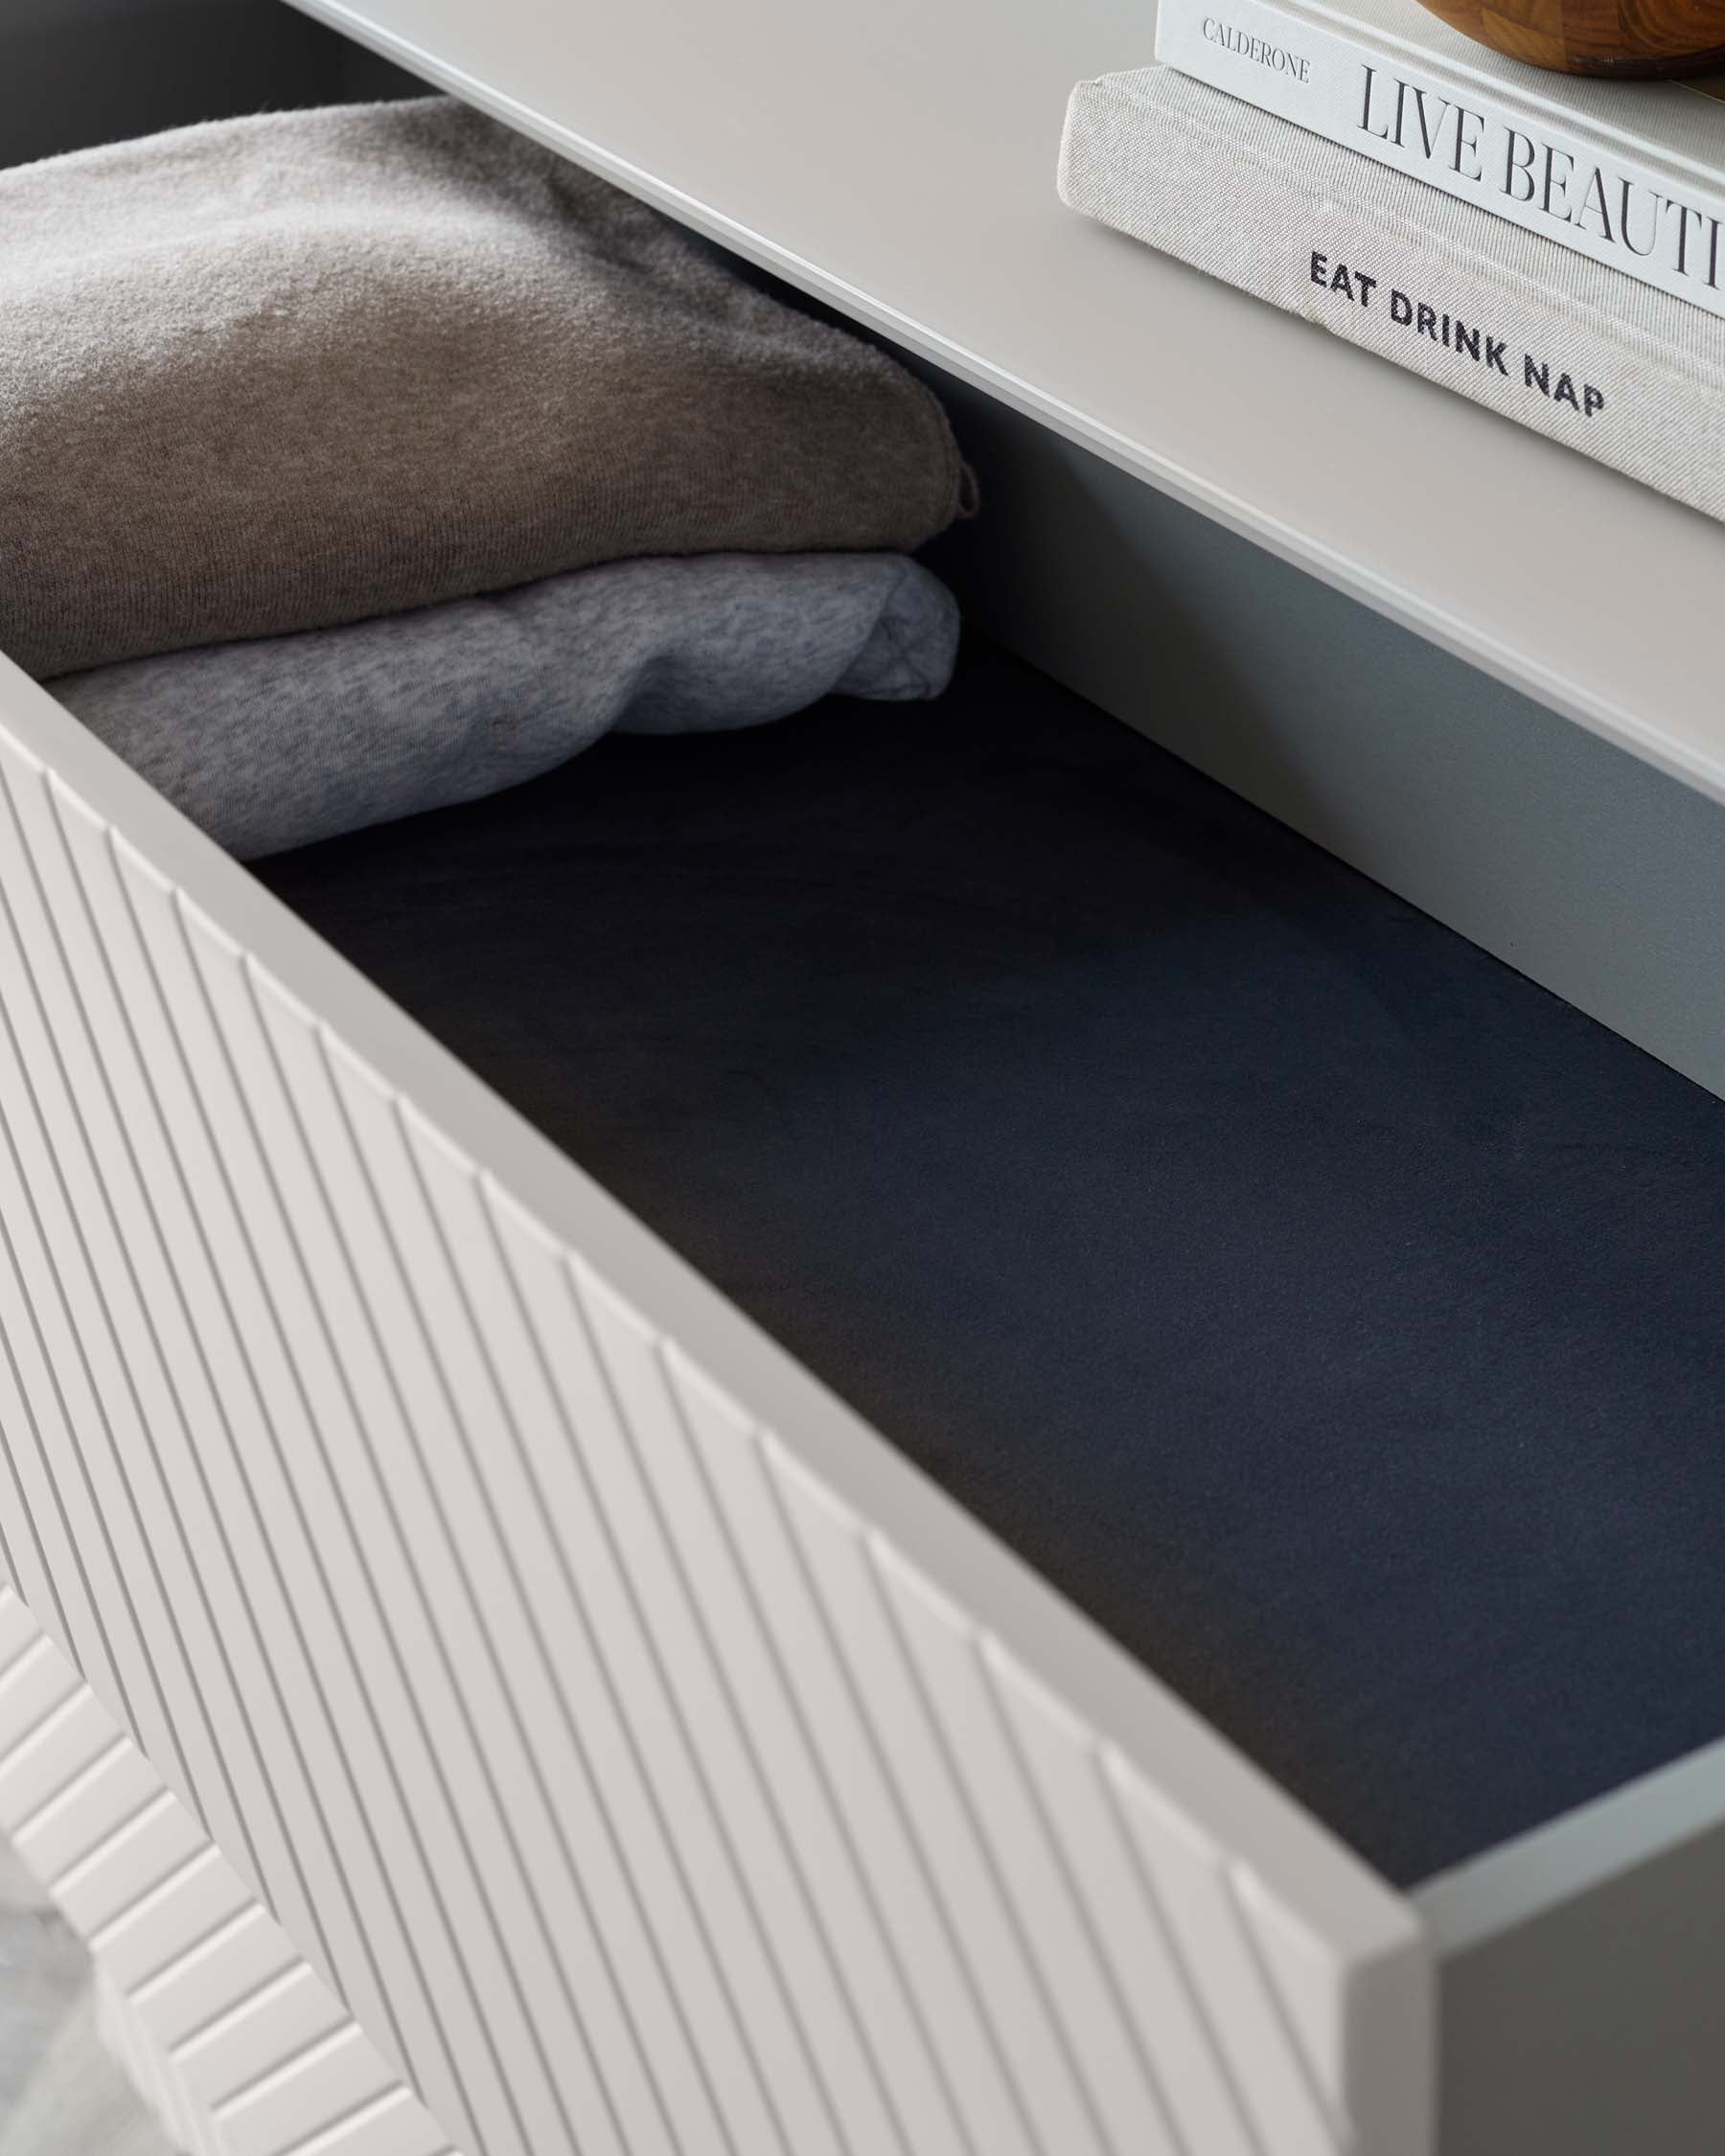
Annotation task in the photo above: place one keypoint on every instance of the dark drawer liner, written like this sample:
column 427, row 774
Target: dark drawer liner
column 1330, row 1312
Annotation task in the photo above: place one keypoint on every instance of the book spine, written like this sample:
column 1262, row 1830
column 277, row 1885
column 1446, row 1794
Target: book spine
column 1460, row 137
column 1294, row 238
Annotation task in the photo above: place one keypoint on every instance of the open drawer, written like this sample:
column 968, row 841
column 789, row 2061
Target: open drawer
column 476, row 1687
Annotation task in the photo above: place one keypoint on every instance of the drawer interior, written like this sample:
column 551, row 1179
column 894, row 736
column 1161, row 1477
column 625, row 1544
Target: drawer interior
column 1328, row 1311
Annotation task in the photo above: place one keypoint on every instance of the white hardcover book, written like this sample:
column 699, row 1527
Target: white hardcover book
column 1623, row 373
column 1630, row 174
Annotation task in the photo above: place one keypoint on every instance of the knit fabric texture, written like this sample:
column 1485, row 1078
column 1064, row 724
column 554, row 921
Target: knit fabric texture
column 286, row 372
column 283, row 740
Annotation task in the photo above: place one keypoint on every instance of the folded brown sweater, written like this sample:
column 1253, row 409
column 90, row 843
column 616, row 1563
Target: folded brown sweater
column 283, row 373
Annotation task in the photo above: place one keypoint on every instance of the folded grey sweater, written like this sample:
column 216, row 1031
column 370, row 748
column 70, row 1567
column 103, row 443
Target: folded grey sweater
column 276, row 743
column 276, row 374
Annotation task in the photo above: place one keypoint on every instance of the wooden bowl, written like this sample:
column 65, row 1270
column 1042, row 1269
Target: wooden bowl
column 1634, row 37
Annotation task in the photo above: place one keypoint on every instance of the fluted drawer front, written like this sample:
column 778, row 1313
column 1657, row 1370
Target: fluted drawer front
column 223, row 2026
column 558, row 1754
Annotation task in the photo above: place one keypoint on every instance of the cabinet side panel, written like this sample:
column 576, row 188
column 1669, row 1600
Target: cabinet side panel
column 1583, row 1978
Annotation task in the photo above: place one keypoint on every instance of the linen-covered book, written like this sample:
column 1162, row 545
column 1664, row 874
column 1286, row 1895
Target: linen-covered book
column 1630, row 174
column 1614, row 368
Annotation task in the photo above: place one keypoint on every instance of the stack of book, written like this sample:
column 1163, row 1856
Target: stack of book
column 1549, row 246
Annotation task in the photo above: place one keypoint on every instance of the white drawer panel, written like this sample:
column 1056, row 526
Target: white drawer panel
column 18, row 1629
column 294, row 2014
column 152, row 1847
column 203, row 1997
column 235, row 1963
column 336, row 2080
column 53, row 1756
column 612, row 1722
column 72, row 1825
column 175, row 1916
column 33, row 1686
